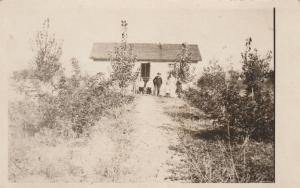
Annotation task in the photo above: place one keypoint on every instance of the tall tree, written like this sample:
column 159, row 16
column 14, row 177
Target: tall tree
column 44, row 65
column 123, row 61
column 255, row 68
column 47, row 54
column 182, row 70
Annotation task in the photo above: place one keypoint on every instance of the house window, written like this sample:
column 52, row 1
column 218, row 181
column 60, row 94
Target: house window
column 145, row 70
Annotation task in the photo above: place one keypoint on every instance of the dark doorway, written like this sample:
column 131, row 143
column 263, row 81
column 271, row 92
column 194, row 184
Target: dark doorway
column 145, row 72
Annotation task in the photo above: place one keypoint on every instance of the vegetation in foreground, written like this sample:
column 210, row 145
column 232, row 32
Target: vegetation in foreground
column 236, row 143
column 208, row 157
column 54, row 109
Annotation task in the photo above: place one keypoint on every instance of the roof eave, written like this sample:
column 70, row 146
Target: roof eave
column 151, row 60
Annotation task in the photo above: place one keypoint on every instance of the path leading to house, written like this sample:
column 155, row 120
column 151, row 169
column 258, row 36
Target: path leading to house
column 154, row 134
column 137, row 146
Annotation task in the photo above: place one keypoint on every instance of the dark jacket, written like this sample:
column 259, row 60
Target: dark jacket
column 157, row 81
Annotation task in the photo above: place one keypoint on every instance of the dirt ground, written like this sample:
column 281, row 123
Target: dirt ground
column 154, row 133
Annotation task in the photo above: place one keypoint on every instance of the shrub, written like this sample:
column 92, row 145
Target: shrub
column 208, row 94
column 83, row 106
column 59, row 101
column 220, row 99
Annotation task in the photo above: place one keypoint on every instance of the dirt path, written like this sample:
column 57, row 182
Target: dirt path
column 134, row 147
column 153, row 135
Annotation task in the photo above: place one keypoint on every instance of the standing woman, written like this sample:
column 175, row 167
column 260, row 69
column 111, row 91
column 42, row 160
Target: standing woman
column 172, row 83
column 168, row 86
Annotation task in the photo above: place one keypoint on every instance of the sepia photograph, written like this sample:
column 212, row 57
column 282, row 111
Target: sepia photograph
column 106, row 93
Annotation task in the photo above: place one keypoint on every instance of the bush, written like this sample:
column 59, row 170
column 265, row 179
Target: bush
column 80, row 106
column 84, row 105
column 59, row 102
column 208, row 95
column 251, row 114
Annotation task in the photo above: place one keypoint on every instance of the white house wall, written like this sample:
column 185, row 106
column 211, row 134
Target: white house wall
column 161, row 67
column 155, row 67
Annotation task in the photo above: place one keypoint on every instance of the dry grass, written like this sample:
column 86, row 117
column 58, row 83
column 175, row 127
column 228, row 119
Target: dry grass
column 210, row 157
column 48, row 156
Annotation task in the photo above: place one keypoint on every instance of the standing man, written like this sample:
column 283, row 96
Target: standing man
column 155, row 86
column 157, row 81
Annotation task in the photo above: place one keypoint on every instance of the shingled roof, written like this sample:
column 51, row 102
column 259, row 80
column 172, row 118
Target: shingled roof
column 146, row 51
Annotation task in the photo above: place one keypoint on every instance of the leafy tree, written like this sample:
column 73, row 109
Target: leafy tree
column 233, row 80
column 44, row 66
column 48, row 52
column 222, row 102
column 123, row 61
column 234, row 75
column 213, row 78
column 181, row 70
column 255, row 68
column 208, row 95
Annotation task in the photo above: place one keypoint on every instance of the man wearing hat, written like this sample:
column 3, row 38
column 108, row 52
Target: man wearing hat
column 157, row 81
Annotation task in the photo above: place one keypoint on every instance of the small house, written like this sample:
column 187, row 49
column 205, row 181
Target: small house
column 151, row 58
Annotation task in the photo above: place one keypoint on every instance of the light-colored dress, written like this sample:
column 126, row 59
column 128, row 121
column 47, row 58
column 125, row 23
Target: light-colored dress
column 171, row 86
column 168, row 89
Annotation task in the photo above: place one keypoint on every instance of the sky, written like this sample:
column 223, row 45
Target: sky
column 219, row 31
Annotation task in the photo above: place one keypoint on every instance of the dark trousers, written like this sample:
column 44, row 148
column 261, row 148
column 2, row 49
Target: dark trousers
column 158, row 89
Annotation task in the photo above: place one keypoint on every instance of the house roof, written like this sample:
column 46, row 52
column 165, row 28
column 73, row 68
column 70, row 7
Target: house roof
column 146, row 51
